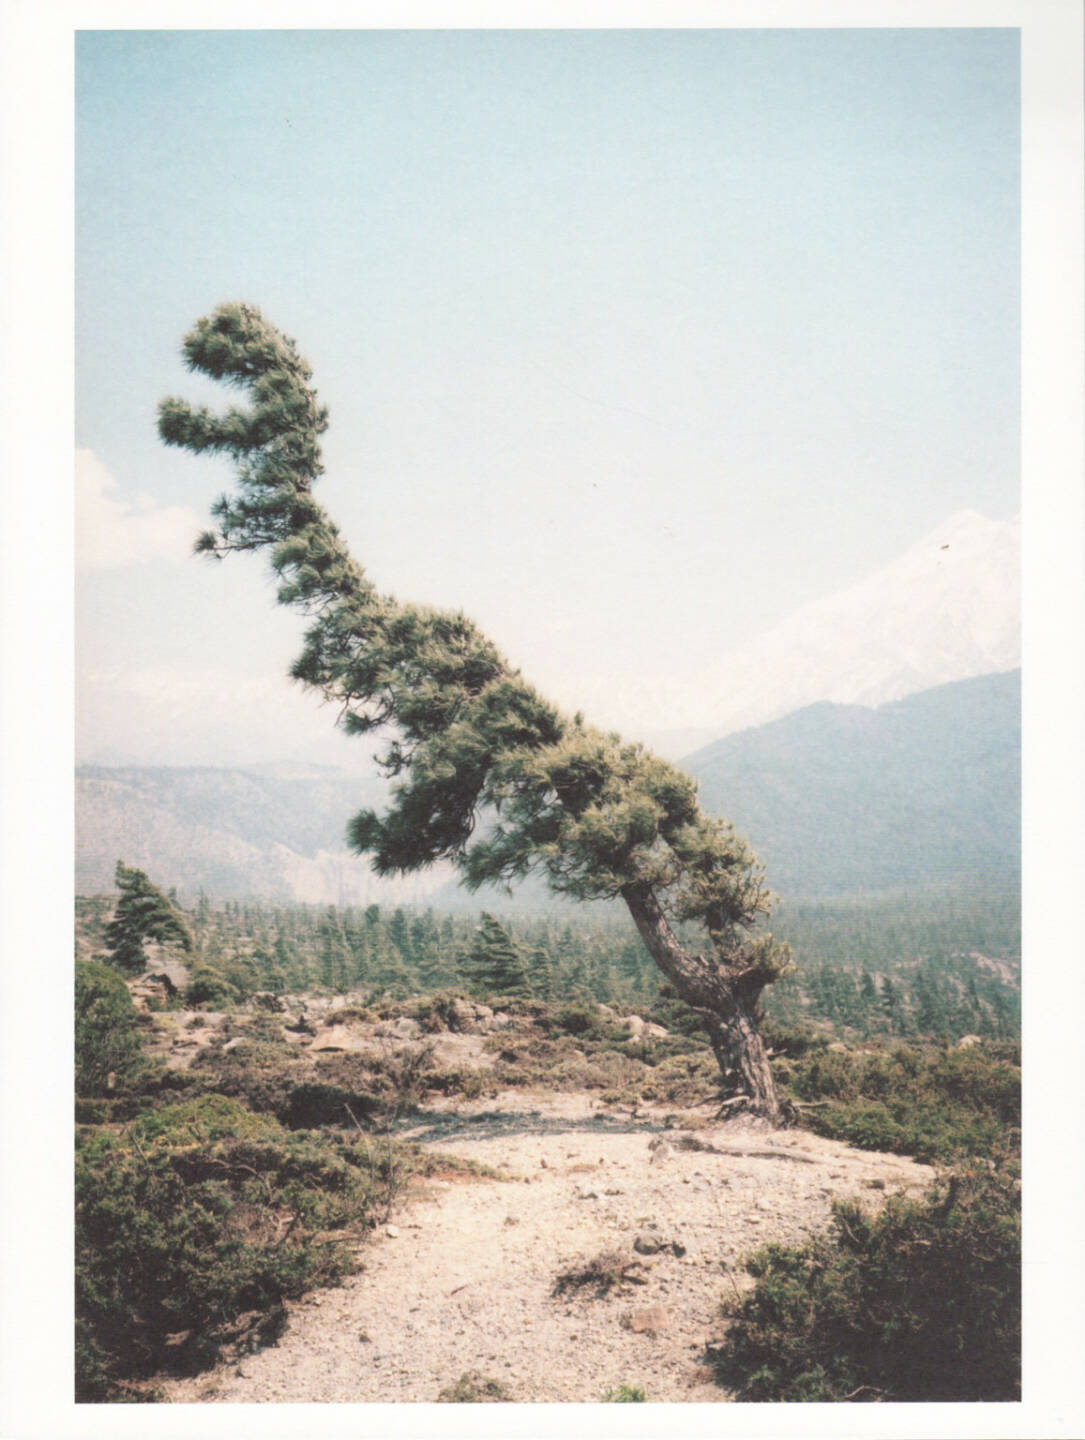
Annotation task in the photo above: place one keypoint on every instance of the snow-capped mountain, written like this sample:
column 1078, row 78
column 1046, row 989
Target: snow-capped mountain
column 948, row 609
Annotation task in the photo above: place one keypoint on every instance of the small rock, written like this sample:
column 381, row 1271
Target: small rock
column 651, row 1321
column 392, row 1231
column 583, row 1193
column 660, row 1151
column 649, row 1242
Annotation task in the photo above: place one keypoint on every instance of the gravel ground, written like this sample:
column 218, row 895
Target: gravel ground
column 463, row 1280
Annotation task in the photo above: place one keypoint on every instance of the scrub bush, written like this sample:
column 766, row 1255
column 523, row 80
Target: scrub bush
column 934, row 1104
column 921, row 1302
column 193, row 1225
column 108, row 1055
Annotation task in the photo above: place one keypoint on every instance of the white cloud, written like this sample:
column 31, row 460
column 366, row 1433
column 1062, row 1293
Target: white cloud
column 112, row 532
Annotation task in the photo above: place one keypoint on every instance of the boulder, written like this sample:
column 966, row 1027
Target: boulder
column 402, row 1028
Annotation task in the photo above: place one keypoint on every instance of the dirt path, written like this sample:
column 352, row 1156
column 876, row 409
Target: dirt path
column 464, row 1278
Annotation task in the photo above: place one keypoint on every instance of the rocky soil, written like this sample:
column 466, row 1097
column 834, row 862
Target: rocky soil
column 467, row 1277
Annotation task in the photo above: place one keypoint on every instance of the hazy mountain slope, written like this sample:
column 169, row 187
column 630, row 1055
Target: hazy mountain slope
column 270, row 832
column 835, row 799
column 839, row 798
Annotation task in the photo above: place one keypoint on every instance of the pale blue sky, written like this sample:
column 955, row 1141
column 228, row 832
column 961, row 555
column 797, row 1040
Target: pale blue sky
column 633, row 341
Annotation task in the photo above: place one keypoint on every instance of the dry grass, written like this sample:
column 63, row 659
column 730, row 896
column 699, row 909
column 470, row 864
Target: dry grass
column 605, row 1272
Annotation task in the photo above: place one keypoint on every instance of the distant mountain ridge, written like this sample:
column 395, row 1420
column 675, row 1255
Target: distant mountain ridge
column 273, row 832
column 838, row 799
column 835, row 799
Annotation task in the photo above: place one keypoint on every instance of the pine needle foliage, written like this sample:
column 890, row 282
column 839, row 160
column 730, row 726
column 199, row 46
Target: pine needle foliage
column 488, row 774
column 143, row 913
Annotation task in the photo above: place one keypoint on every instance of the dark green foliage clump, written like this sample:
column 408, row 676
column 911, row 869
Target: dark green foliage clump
column 314, row 1104
column 919, row 1303
column 193, row 1226
column 143, row 913
column 108, row 1055
column 932, row 1103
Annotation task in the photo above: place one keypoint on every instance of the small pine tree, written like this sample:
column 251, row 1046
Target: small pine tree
column 544, row 978
column 143, row 913
column 494, row 965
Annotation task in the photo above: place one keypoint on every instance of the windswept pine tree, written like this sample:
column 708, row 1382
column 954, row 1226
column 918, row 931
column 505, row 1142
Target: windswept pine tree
column 143, row 913
column 488, row 774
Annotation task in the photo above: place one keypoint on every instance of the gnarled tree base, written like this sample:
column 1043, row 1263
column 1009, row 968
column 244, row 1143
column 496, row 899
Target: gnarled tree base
column 725, row 1002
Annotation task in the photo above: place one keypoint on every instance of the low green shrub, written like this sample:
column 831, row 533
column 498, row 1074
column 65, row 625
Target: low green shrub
column 576, row 1020
column 108, row 1053
column 312, row 1104
column 792, row 1041
column 934, row 1104
column 259, row 1072
column 921, row 1302
column 193, row 1225
column 207, row 989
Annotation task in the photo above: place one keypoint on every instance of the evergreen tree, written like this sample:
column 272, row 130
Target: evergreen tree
column 426, row 949
column 493, row 965
column 399, row 935
column 143, row 913
column 334, row 955
column 544, row 980
column 470, row 739
column 387, row 973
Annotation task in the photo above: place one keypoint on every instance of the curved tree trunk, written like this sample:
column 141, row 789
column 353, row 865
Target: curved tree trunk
column 726, row 1003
